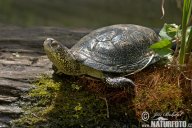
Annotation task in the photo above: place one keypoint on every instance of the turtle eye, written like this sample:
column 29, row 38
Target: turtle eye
column 54, row 44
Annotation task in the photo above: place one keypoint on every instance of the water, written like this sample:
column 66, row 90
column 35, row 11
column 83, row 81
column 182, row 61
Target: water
column 87, row 13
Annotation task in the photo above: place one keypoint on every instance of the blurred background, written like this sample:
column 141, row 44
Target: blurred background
column 87, row 13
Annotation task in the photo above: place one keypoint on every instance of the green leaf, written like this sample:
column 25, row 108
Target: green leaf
column 163, row 52
column 187, row 7
column 170, row 31
column 164, row 43
column 189, row 41
column 163, row 47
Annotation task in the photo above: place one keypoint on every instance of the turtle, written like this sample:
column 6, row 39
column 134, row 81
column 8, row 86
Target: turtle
column 110, row 53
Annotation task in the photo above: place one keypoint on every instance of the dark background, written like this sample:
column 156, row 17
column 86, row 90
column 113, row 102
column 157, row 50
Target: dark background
column 87, row 13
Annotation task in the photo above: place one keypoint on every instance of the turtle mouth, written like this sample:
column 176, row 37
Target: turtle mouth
column 53, row 50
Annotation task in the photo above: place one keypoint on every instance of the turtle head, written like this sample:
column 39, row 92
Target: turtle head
column 61, row 57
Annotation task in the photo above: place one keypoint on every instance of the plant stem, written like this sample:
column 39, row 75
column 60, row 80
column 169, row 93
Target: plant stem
column 185, row 19
column 182, row 50
column 188, row 47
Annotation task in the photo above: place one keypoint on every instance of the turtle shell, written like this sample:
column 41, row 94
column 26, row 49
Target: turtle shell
column 117, row 48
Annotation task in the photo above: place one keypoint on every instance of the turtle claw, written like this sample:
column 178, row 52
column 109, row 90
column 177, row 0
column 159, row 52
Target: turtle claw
column 119, row 82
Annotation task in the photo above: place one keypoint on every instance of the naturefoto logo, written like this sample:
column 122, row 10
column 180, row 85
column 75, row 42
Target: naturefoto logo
column 161, row 120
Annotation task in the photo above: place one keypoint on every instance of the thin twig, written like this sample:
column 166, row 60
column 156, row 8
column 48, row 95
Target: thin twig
column 162, row 8
column 34, row 115
column 178, row 81
column 191, row 86
column 106, row 105
column 187, row 78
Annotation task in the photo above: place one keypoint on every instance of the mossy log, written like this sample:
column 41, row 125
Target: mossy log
column 22, row 60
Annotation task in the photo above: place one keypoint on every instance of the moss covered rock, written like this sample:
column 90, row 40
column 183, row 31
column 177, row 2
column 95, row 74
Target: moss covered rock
column 76, row 102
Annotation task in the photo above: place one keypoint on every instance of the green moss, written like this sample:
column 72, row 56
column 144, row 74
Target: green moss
column 45, row 91
column 41, row 98
column 70, row 103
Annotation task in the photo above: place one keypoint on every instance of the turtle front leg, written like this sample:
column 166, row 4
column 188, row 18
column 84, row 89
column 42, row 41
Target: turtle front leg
column 56, row 71
column 119, row 82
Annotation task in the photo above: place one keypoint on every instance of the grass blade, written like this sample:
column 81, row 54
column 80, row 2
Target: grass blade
column 185, row 19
